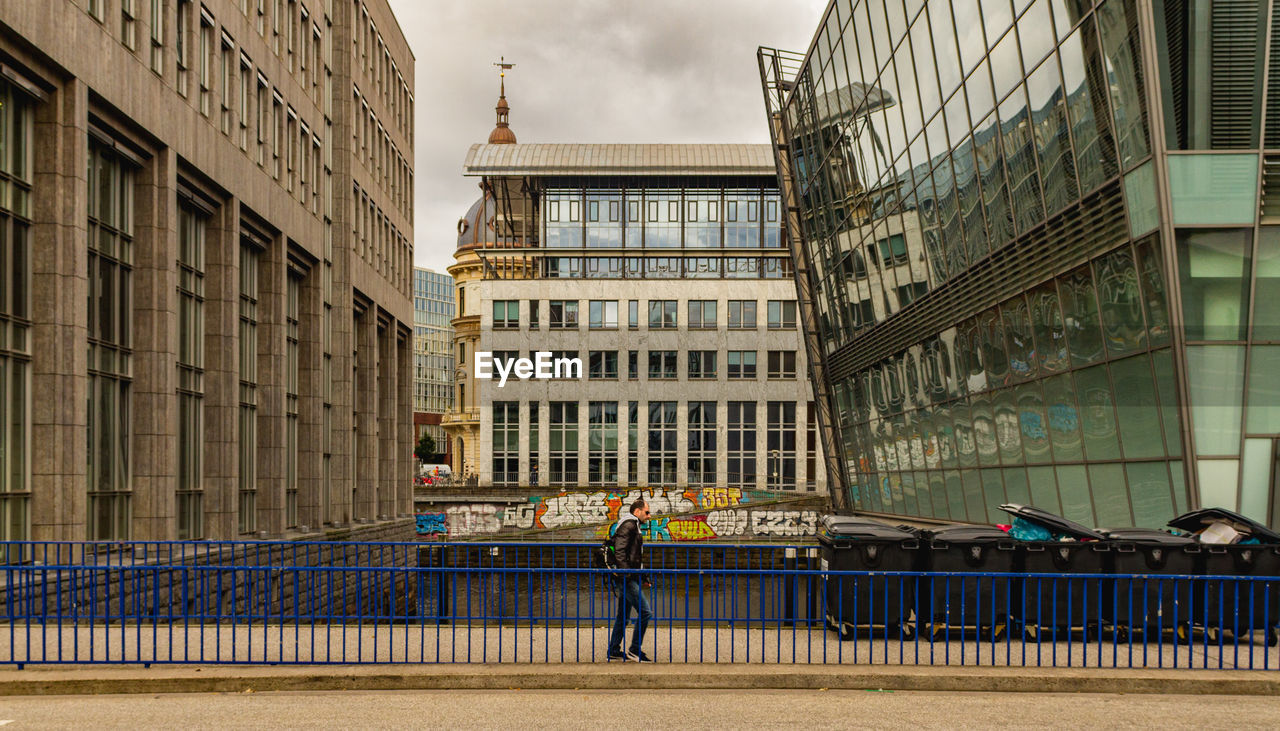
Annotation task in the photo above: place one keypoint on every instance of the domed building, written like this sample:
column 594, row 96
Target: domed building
column 655, row 279
column 483, row 233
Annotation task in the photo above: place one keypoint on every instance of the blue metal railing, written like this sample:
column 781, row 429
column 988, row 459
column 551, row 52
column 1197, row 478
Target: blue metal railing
column 258, row 602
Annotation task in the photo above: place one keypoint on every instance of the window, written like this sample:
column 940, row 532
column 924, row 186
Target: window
column 662, row 314
column 157, row 36
column 893, row 250
column 662, row 364
column 506, row 314
column 190, row 486
column 781, row 443
column 534, row 443
column 206, row 61
column 702, row 314
column 247, row 481
column 293, row 292
column 128, row 25
column 782, row 314
column 110, row 340
column 533, row 315
column 506, row 442
column 564, row 314
column 564, row 443
column 782, row 364
column 742, row 444
column 604, row 314
column 16, row 138
column 742, row 364
column 602, row 443
column 633, row 314
column 662, row 443
column 701, row 458
column 226, row 82
column 633, row 364
column 602, row 364
column 633, row 443
column 742, row 314
column 702, row 364
column 505, row 357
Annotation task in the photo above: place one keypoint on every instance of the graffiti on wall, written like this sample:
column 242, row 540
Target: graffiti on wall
column 694, row 514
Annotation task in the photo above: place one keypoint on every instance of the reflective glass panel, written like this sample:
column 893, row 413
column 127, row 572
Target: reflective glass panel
column 1136, row 408
column 1214, row 269
column 1149, row 493
column 1216, row 377
column 1073, row 487
column 1122, row 321
column 1266, row 300
column 1110, row 496
column 1097, row 409
column 1213, row 188
column 1263, row 400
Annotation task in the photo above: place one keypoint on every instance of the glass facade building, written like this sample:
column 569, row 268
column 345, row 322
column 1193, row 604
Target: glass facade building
column 1035, row 245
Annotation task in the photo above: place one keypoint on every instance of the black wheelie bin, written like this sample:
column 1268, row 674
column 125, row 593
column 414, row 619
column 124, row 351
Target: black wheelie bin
column 856, row 602
column 1153, row 603
column 968, row 602
column 1050, row 603
column 1241, row 607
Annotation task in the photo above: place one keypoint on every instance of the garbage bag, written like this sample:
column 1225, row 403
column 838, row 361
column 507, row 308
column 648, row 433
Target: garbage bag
column 1025, row 530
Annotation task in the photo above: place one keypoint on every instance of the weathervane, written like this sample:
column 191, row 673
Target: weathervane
column 502, row 73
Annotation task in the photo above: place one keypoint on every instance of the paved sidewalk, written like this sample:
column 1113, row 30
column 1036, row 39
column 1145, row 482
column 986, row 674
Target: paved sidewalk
column 82, row 680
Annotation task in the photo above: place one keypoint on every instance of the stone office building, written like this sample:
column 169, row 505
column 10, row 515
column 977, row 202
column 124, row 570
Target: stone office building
column 1039, row 243
column 662, row 269
column 206, row 244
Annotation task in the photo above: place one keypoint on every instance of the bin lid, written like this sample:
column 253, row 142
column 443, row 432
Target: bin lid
column 1145, row 535
column 1055, row 523
column 846, row 526
column 1197, row 519
column 969, row 534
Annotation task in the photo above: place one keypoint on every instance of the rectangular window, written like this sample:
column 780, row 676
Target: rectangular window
column 128, row 25
column 533, row 315
column 701, row 457
column 564, row 443
column 633, row 314
column 781, row 445
column 110, row 343
column 702, row 364
column 782, row 364
column 190, row 486
column 893, row 250
column 742, row 444
column 157, row 36
column 534, row 443
column 293, row 293
column 564, row 314
column 247, row 476
column 663, row 439
column 702, row 314
column 16, row 143
column 662, row 314
column 633, row 364
column 206, row 61
column 742, row 314
column 602, row 443
column 604, row 314
column 742, row 364
column 602, row 364
column 782, row 314
column 226, row 81
column 633, row 443
column 662, row 364
column 506, row 314
column 506, row 442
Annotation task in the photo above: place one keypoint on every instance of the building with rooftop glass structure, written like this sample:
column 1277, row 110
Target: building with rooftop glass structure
column 661, row 268
column 1037, row 248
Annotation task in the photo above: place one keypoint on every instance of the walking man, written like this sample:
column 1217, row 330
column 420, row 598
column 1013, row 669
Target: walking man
column 628, row 547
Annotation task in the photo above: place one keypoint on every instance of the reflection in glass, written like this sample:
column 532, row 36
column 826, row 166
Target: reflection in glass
column 1213, row 189
column 1136, row 408
column 1046, row 322
column 1097, row 409
column 1093, row 151
column 1110, row 495
column 1122, row 322
column 1263, row 416
column 1080, row 316
column 1255, row 489
column 1044, row 489
column 1150, row 494
column 1033, row 424
column 1064, row 418
column 1073, row 487
column 1053, row 144
column 1020, row 156
column 1122, row 53
column 1266, row 301
column 1017, row 326
column 1216, row 377
column 1214, row 268
column 1151, row 271
column 1162, row 361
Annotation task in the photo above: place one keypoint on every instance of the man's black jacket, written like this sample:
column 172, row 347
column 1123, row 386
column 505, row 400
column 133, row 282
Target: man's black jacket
column 628, row 545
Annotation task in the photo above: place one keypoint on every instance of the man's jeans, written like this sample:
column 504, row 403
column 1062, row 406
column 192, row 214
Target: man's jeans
column 630, row 597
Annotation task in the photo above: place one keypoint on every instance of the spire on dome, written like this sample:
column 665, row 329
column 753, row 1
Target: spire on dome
column 502, row 134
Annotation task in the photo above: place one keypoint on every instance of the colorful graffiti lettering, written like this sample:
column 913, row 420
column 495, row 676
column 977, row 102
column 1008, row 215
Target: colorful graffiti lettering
column 655, row 529
column 430, row 524
column 694, row 528
column 474, row 519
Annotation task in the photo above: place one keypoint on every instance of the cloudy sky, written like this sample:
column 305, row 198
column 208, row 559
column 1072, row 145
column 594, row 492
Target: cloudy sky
column 586, row 71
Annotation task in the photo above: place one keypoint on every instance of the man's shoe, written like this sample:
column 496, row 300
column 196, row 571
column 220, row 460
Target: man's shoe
column 639, row 657
column 617, row 656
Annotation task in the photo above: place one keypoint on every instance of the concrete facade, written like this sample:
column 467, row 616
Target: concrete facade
column 254, row 176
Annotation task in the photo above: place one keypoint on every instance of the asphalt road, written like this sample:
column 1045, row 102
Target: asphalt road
column 707, row 709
